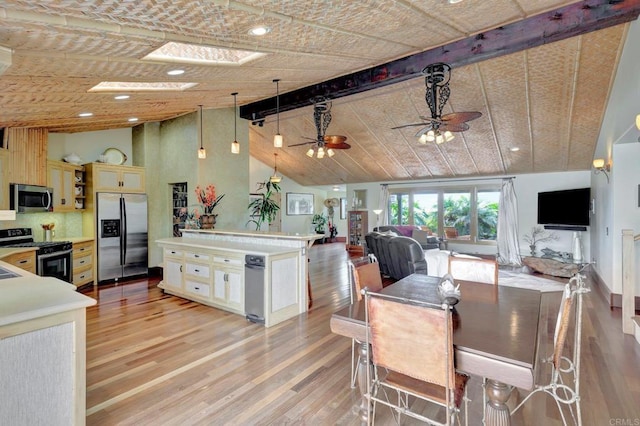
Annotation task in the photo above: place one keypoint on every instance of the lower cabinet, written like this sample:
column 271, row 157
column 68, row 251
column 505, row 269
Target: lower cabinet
column 207, row 276
column 82, row 263
column 25, row 260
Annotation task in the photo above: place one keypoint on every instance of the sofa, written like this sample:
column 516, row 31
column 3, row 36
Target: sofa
column 398, row 256
column 425, row 240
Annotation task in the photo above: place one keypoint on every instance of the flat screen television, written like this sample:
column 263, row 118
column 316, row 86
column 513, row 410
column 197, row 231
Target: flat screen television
column 568, row 208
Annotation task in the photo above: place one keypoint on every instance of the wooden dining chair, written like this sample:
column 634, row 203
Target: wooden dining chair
column 412, row 354
column 362, row 273
column 473, row 269
column 564, row 386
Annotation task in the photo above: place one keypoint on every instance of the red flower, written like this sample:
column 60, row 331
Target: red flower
column 207, row 198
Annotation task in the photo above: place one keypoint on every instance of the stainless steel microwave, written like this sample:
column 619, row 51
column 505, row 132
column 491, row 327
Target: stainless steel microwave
column 31, row 198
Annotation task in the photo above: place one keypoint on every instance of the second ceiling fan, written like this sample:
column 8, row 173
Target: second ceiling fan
column 439, row 128
column 325, row 144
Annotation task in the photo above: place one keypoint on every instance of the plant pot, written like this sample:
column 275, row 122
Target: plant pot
column 207, row 221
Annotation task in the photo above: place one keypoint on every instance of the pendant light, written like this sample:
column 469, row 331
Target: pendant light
column 275, row 178
column 202, row 153
column 235, row 146
column 277, row 139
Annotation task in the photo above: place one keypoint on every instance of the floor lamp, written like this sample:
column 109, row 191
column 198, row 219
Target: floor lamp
column 377, row 212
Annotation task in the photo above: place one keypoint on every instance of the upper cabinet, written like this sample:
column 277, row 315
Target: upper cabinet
column 67, row 181
column 4, row 178
column 113, row 178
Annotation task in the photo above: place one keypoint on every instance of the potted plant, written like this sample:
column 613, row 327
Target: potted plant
column 320, row 222
column 264, row 209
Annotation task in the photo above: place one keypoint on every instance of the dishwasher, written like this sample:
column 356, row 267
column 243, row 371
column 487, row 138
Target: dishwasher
column 254, row 283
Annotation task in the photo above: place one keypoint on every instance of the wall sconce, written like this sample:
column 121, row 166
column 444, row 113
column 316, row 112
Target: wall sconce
column 600, row 166
column 202, row 153
column 235, row 146
column 277, row 139
column 638, row 121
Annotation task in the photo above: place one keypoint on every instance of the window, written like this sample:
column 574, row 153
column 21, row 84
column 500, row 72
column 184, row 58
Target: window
column 457, row 213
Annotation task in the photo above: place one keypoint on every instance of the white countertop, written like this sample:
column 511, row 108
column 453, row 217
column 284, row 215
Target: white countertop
column 259, row 234
column 244, row 248
column 30, row 296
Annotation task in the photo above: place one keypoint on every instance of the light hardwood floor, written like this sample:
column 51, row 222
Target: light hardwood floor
column 158, row 359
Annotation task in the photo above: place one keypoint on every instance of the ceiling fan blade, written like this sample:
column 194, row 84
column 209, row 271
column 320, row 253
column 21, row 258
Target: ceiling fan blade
column 410, row 125
column 454, row 127
column 302, row 143
column 334, row 139
column 461, row 117
column 340, row 145
column 424, row 130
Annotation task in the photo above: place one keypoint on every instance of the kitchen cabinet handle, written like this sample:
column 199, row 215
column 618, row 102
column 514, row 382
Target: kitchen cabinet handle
column 227, row 260
column 81, row 262
column 196, row 256
column 197, row 270
column 226, row 277
column 180, row 268
column 197, row 288
column 23, row 261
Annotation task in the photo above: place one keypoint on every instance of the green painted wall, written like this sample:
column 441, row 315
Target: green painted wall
column 168, row 151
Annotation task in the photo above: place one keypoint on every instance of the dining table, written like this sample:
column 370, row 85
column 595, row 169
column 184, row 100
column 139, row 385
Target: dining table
column 497, row 335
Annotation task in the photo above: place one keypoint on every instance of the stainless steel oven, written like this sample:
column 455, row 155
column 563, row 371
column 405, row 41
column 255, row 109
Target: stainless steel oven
column 53, row 258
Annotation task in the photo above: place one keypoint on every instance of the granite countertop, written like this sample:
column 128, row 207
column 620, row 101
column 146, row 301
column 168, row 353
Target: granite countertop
column 29, row 296
column 244, row 248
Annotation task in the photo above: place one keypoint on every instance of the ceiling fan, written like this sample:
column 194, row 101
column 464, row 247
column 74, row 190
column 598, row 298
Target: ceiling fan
column 438, row 127
column 324, row 143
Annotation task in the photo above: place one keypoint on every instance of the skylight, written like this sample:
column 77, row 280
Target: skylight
column 196, row 54
column 120, row 86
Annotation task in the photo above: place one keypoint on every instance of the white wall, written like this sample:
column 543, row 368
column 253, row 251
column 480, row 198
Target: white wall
column 625, row 185
column 526, row 186
column 260, row 172
column 617, row 144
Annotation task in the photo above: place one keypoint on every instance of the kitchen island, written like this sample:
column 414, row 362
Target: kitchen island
column 43, row 349
column 208, row 266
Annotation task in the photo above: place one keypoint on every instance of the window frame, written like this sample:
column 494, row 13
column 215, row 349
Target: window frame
column 472, row 190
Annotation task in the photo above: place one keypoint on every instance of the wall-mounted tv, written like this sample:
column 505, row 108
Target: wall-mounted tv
column 567, row 208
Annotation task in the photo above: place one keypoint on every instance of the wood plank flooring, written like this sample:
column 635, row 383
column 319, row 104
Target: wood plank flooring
column 158, row 359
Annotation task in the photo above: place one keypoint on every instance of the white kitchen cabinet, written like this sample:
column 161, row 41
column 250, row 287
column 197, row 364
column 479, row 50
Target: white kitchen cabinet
column 61, row 177
column 114, row 178
column 211, row 277
column 173, row 260
column 228, row 289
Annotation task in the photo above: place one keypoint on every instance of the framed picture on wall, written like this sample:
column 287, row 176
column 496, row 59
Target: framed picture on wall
column 299, row 204
column 343, row 208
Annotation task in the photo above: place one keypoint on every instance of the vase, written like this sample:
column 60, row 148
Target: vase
column 532, row 247
column 207, row 221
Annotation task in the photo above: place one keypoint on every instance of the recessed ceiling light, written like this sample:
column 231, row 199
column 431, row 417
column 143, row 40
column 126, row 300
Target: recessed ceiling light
column 121, row 97
column 175, row 72
column 133, row 119
column 85, row 114
column 259, row 31
column 514, row 149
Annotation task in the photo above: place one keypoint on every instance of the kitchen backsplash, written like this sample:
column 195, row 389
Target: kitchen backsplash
column 67, row 225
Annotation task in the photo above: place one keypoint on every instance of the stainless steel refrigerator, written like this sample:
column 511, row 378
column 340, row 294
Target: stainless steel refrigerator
column 122, row 235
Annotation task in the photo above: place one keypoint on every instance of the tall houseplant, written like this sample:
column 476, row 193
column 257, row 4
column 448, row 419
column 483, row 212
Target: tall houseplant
column 319, row 222
column 264, row 209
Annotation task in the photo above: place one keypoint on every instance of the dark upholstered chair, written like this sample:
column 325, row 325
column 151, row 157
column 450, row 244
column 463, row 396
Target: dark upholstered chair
column 385, row 255
column 407, row 257
column 368, row 240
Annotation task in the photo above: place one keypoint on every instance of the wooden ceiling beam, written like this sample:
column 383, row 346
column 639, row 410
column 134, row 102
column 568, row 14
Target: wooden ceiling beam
column 565, row 22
